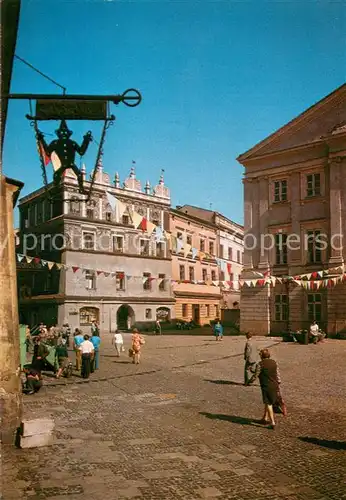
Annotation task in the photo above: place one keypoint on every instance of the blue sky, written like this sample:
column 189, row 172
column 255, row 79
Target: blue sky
column 216, row 78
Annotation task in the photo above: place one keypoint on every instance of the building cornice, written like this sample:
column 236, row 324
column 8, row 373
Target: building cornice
column 61, row 298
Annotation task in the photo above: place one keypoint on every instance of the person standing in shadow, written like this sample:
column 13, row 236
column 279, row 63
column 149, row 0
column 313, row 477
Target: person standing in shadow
column 251, row 358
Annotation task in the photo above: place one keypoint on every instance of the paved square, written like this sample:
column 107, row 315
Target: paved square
column 179, row 426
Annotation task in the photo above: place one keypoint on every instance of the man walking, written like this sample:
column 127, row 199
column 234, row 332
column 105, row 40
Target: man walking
column 251, row 358
column 96, row 341
column 78, row 339
column 87, row 351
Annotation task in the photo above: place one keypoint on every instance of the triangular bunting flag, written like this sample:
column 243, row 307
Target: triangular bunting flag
column 106, row 274
column 143, row 225
column 187, row 249
column 37, row 260
column 180, row 245
column 201, row 255
column 112, row 201
column 150, row 227
column 75, row 269
column 20, row 257
column 50, row 264
column 99, row 272
column 136, row 219
column 58, row 265
column 194, row 252
column 158, row 233
column 29, row 259
column 44, row 262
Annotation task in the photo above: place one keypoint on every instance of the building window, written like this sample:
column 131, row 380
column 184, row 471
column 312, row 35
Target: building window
column 217, row 311
column 125, row 220
column 202, row 245
column 118, row 244
column 189, row 239
column 281, row 307
column 213, row 275
column 280, row 191
column 313, row 185
column 314, row 247
column 162, row 282
column 90, row 213
column 315, row 307
column 207, row 310
column 204, row 274
column 89, row 241
column 120, row 280
column 182, row 273
column 191, row 273
column 148, row 314
column 211, row 247
column 75, row 206
column 146, row 281
column 39, row 213
column 184, row 310
column 87, row 315
column 109, row 216
column 230, row 254
column 221, row 251
column 160, row 249
column 90, row 277
column 179, row 235
column 280, row 249
column 238, row 256
column 48, row 282
column 32, row 211
column 144, row 247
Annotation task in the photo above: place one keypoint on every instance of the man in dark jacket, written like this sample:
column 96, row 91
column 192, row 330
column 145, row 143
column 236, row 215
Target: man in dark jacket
column 251, row 358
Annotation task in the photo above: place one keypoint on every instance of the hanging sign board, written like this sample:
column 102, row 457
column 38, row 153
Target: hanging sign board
column 47, row 109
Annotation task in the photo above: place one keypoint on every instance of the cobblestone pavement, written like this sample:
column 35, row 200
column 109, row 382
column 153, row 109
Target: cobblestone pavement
column 180, row 426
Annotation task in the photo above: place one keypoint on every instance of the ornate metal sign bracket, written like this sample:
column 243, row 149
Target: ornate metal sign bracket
column 62, row 151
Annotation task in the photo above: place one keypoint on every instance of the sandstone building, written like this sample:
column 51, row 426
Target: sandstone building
column 295, row 184
column 229, row 251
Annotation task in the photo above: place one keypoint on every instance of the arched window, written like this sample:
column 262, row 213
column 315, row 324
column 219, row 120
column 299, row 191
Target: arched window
column 87, row 315
column 163, row 313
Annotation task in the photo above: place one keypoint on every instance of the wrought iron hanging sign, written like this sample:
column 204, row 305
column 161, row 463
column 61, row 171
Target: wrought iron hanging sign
column 62, row 151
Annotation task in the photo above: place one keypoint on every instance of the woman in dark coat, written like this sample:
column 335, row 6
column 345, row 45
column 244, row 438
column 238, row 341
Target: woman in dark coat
column 268, row 374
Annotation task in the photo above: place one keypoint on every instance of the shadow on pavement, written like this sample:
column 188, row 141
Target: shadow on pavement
column 230, row 418
column 223, row 382
column 333, row 445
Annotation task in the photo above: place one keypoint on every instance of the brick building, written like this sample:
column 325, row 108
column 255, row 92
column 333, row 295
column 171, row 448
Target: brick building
column 295, row 184
column 117, row 274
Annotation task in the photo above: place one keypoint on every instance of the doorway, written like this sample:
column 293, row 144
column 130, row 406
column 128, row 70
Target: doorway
column 125, row 317
column 195, row 313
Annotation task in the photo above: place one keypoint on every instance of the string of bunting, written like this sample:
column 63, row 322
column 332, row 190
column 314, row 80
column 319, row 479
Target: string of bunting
column 309, row 281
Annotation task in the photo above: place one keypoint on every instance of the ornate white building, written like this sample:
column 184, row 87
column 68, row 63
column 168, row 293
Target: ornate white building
column 110, row 271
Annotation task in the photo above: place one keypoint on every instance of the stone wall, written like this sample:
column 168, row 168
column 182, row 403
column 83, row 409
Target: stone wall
column 255, row 310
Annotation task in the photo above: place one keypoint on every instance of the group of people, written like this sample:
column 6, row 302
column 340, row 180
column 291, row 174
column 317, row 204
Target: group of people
column 137, row 341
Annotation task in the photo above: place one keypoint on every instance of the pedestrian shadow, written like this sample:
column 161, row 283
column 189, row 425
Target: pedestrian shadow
column 122, row 362
column 223, row 382
column 230, row 418
column 333, row 445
